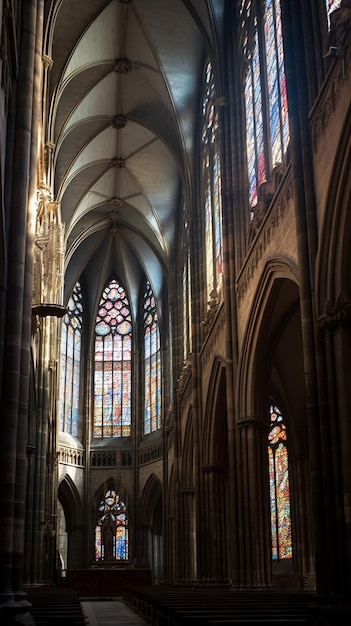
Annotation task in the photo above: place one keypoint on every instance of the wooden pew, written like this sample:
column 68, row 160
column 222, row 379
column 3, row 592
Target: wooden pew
column 210, row 607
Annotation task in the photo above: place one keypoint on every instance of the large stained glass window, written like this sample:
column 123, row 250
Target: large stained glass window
column 111, row 530
column 212, row 182
column 113, row 364
column 70, row 357
column 279, row 487
column 267, row 125
column 152, row 363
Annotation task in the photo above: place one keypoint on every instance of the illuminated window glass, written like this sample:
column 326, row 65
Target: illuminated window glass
column 279, row 487
column 111, row 530
column 331, row 5
column 267, row 124
column 187, row 336
column 212, row 185
column 70, row 356
column 152, row 363
column 113, row 364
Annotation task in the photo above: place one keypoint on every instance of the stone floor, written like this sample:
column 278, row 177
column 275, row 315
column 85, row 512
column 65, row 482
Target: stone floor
column 110, row 612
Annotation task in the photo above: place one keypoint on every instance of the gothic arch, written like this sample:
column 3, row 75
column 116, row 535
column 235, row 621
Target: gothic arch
column 275, row 306
column 188, row 504
column 272, row 369
column 151, row 526
column 188, row 465
column 72, row 507
column 214, row 498
column 215, row 426
column 333, row 275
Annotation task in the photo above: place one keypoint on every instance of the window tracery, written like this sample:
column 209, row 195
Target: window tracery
column 212, row 189
column 152, row 363
column 113, row 364
column 279, row 486
column 111, row 530
column 70, row 358
column 267, row 124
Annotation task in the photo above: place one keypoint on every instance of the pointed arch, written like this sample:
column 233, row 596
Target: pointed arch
column 151, row 509
column 272, row 367
column 152, row 363
column 70, row 363
column 188, row 504
column 333, row 282
column 215, row 426
column 213, row 553
column 111, row 524
column 113, row 364
column 70, row 501
column 275, row 302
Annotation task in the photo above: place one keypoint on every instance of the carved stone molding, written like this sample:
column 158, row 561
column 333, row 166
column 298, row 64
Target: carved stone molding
column 71, row 456
column 118, row 163
column 217, row 327
column 47, row 62
column 123, row 66
column 184, row 375
column 119, row 122
column 49, row 250
column 336, row 314
column 150, row 454
column 339, row 53
column 272, row 220
column 115, row 203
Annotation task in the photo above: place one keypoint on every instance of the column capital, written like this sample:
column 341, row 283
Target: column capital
column 336, row 313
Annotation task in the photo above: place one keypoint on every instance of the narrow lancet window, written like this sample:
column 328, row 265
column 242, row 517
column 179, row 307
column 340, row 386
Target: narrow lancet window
column 152, row 363
column 279, row 487
column 70, row 363
column 212, row 185
column 267, row 124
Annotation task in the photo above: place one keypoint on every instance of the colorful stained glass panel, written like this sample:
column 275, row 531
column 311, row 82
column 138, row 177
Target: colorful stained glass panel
column 279, row 487
column 113, row 364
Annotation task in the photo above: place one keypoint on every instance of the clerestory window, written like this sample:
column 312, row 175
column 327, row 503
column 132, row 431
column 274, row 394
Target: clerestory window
column 212, row 184
column 267, row 124
column 70, row 363
column 152, row 363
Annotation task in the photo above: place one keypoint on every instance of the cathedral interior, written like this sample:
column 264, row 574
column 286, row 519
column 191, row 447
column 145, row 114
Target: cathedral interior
column 175, row 297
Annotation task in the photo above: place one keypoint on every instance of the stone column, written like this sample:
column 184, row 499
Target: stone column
column 253, row 501
column 333, row 601
column 13, row 424
column 187, row 545
column 214, row 561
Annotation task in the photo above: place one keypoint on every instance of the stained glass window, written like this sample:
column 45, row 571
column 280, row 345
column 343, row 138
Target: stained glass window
column 331, row 5
column 70, row 356
column 212, row 185
column 279, row 487
column 267, row 124
column 152, row 363
column 187, row 335
column 113, row 364
column 111, row 530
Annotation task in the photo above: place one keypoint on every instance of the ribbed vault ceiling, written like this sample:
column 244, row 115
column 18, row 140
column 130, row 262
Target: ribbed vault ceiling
column 123, row 104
